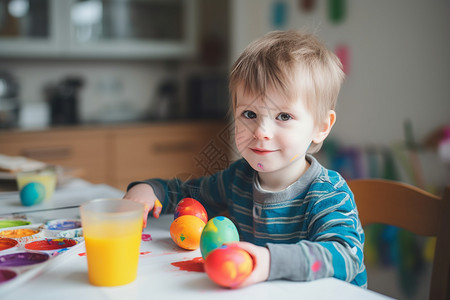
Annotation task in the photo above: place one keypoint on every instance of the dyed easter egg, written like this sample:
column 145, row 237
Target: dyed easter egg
column 218, row 230
column 190, row 206
column 228, row 266
column 186, row 230
column 32, row 193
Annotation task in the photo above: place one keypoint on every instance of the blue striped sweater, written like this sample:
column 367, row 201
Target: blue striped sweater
column 311, row 228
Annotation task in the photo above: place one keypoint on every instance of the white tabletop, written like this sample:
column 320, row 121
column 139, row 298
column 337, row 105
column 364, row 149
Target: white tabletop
column 159, row 279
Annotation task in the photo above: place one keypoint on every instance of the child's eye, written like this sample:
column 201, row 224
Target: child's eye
column 284, row 117
column 249, row 114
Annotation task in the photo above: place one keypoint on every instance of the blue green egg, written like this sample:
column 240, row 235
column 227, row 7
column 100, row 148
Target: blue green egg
column 218, row 230
column 32, row 193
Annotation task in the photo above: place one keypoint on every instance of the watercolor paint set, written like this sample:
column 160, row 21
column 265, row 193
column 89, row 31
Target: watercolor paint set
column 28, row 247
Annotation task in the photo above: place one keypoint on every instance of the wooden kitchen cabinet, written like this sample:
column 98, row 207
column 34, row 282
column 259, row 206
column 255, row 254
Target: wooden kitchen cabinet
column 117, row 155
column 168, row 151
column 79, row 148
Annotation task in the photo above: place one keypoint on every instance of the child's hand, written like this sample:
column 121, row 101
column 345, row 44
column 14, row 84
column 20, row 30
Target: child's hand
column 143, row 193
column 261, row 263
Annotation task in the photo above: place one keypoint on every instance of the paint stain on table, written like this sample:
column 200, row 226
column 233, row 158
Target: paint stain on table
column 193, row 265
column 146, row 237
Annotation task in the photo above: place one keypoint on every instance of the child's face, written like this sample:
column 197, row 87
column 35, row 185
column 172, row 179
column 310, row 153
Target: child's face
column 272, row 135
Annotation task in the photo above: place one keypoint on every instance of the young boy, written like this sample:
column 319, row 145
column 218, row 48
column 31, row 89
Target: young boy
column 298, row 220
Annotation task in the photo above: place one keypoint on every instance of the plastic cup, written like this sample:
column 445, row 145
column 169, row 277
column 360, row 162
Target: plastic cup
column 46, row 177
column 112, row 231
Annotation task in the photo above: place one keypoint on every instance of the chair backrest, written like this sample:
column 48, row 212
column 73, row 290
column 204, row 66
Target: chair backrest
column 402, row 205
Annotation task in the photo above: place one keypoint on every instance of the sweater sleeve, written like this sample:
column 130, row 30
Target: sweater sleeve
column 333, row 247
column 211, row 190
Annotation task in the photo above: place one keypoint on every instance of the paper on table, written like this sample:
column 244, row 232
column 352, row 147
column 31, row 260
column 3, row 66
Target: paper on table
column 72, row 195
column 19, row 163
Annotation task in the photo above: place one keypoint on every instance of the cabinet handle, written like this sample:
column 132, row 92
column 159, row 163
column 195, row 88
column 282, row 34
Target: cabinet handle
column 173, row 147
column 47, row 153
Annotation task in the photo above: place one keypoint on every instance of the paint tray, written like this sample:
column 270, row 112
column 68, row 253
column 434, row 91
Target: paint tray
column 28, row 250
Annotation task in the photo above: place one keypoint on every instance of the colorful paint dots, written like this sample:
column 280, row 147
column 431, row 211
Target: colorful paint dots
column 146, row 237
column 260, row 166
column 157, row 208
column 295, row 156
column 316, row 266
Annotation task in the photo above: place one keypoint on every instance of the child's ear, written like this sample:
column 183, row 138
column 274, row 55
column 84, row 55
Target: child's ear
column 324, row 128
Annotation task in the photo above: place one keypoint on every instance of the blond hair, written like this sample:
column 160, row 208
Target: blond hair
column 294, row 64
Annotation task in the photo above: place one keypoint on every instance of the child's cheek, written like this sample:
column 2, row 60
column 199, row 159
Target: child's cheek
column 242, row 137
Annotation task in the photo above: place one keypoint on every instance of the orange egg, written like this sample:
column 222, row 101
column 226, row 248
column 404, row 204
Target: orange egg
column 228, row 266
column 186, row 230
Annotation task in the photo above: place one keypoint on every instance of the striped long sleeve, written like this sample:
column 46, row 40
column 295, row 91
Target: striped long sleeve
column 311, row 229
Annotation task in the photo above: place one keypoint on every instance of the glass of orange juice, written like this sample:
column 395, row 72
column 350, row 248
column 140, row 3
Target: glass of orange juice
column 112, row 231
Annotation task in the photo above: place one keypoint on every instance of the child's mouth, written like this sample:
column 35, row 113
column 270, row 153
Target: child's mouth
column 261, row 151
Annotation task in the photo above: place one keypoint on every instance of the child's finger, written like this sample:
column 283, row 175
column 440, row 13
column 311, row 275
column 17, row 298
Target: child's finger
column 157, row 209
column 146, row 211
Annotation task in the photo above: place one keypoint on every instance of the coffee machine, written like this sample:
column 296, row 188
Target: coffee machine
column 63, row 99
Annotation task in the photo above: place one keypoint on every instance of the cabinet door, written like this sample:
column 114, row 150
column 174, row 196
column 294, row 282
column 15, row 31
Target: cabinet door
column 168, row 151
column 31, row 28
column 86, row 150
column 132, row 29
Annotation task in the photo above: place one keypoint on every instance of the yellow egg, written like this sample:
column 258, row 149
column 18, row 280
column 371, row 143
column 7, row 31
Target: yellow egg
column 186, row 230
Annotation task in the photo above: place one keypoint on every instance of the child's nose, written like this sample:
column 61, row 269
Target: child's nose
column 263, row 131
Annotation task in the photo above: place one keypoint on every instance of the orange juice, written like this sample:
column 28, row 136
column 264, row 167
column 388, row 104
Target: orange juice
column 112, row 230
column 113, row 253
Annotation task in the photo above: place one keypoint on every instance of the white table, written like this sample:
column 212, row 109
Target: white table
column 158, row 279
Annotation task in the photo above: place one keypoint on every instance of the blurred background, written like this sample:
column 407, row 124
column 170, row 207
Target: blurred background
column 95, row 64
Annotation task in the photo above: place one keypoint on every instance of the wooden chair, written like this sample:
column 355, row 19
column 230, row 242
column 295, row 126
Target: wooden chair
column 402, row 205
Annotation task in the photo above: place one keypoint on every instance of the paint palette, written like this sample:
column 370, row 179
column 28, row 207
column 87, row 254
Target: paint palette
column 27, row 247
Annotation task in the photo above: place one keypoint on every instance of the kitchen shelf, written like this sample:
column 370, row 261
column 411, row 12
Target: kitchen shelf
column 114, row 29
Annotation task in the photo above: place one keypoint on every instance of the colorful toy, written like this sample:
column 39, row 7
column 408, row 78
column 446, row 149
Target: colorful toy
column 32, row 193
column 218, row 230
column 186, row 230
column 190, row 206
column 228, row 266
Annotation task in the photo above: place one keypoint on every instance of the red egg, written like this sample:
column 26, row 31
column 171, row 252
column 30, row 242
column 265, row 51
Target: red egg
column 190, row 206
column 228, row 266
